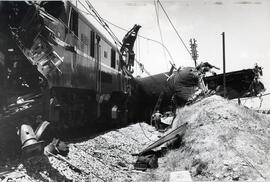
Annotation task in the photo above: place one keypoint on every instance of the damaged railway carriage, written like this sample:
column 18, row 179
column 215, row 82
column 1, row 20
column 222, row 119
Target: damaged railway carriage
column 239, row 84
column 50, row 48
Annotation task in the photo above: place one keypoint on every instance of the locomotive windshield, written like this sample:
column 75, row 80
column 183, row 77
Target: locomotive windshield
column 55, row 8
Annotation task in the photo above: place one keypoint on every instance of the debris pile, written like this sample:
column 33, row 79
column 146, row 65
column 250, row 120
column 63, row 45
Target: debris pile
column 223, row 141
column 107, row 157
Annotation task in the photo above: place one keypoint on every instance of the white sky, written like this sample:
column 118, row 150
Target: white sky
column 246, row 24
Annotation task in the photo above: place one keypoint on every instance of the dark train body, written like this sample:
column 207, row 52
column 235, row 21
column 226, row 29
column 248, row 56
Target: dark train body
column 239, row 84
column 51, row 49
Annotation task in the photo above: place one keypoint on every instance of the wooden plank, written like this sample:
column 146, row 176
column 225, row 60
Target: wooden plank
column 173, row 134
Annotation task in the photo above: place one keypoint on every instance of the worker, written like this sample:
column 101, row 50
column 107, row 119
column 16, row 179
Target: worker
column 54, row 107
column 205, row 67
column 167, row 119
column 156, row 119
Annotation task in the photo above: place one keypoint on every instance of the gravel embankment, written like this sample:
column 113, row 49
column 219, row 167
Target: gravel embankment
column 106, row 157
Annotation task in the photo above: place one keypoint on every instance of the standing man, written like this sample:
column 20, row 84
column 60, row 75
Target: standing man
column 156, row 119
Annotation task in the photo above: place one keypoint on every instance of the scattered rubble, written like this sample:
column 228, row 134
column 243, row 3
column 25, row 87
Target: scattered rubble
column 107, row 157
column 222, row 141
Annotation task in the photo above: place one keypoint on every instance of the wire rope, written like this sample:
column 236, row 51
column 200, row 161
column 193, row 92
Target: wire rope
column 174, row 27
column 160, row 32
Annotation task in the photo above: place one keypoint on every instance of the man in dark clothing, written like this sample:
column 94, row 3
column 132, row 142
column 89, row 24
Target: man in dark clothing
column 205, row 67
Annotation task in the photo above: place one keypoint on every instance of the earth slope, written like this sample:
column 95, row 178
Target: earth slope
column 223, row 141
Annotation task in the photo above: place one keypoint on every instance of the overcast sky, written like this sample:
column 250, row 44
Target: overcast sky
column 246, row 24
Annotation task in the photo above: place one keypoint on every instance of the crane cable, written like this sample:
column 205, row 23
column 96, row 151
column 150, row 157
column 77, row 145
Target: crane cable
column 139, row 36
column 103, row 20
column 146, row 38
column 143, row 37
column 158, row 1
column 159, row 28
column 136, row 60
column 104, row 24
column 100, row 20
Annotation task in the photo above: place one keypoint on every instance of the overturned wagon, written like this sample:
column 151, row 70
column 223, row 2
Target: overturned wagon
column 239, row 84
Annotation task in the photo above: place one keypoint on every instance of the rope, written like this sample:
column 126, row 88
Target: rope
column 246, row 98
column 139, row 36
column 174, row 28
column 146, row 38
column 151, row 76
column 139, row 48
column 261, row 100
column 246, row 160
column 100, row 20
column 144, row 133
column 159, row 28
column 260, row 97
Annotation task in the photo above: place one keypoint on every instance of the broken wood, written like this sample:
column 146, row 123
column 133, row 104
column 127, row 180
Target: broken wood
column 172, row 135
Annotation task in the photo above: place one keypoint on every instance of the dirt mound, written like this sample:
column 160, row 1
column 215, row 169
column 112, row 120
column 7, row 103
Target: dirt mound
column 224, row 141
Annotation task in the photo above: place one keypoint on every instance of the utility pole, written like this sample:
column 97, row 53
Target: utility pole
column 224, row 64
column 194, row 52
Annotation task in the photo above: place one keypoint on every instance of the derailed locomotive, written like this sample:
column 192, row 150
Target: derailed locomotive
column 51, row 49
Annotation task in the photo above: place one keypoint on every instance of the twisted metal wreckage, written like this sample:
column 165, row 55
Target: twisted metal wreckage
column 55, row 63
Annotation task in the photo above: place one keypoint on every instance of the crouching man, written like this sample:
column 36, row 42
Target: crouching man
column 156, row 119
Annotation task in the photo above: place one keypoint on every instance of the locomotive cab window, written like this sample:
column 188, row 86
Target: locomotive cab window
column 74, row 17
column 113, row 55
column 55, row 8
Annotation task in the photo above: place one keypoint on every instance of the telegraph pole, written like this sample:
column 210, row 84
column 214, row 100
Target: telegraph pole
column 194, row 52
column 224, row 64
